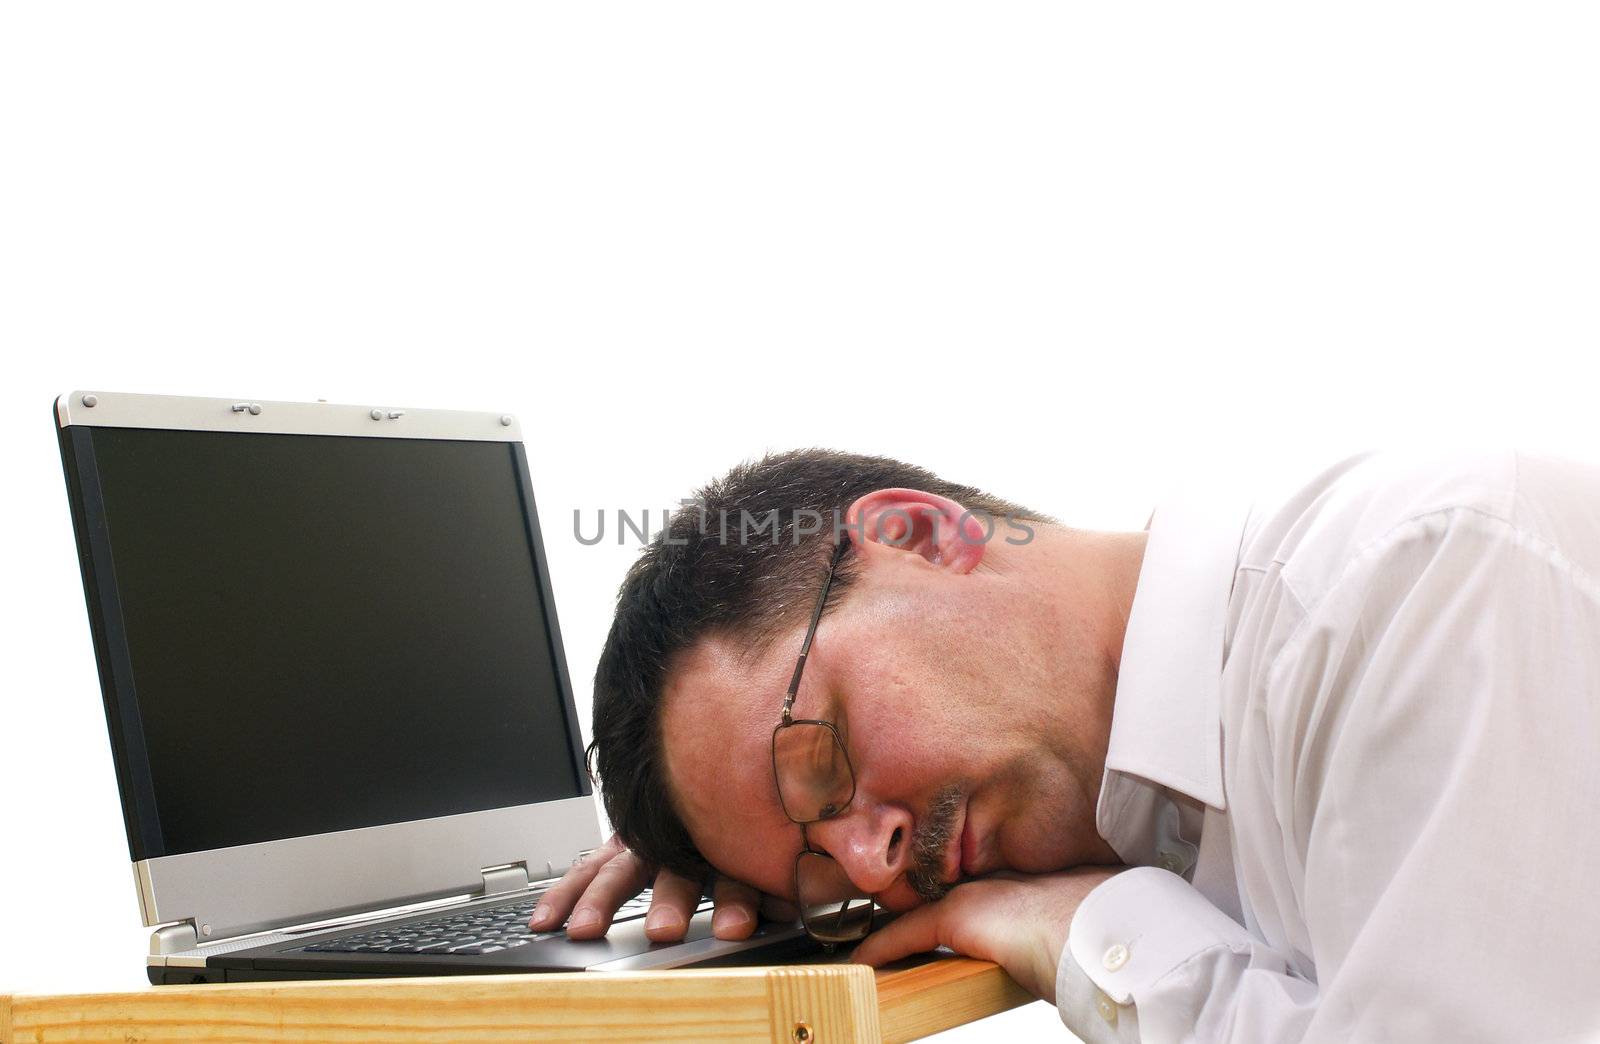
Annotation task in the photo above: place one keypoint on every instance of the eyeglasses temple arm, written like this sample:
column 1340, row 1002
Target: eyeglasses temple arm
column 811, row 630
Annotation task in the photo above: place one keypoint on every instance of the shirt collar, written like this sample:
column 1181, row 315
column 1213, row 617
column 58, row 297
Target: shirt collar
column 1166, row 725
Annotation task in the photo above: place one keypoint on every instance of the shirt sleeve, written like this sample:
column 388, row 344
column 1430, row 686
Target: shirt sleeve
column 1172, row 966
column 1412, row 789
column 1087, row 1010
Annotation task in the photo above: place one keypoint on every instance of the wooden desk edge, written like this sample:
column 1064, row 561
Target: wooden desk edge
column 940, row 994
column 839, row 1002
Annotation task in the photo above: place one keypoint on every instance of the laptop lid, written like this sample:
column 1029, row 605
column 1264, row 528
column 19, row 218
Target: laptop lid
column 328, row 650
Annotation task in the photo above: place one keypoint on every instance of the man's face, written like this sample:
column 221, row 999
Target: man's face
column 949, row 687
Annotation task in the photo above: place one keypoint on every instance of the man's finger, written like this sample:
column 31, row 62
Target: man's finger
column 672, row 903
column 620, row 879
column 916, row 931
column 735, row 913
column 560, row 898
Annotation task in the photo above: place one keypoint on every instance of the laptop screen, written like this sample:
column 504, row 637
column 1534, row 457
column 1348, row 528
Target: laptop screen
column 325, row 632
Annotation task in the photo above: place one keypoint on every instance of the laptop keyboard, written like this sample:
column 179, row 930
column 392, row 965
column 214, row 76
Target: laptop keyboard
column 483, row 929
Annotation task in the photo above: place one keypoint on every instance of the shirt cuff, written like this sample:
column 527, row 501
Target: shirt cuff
column 1139, row 926
column 1087, row 1011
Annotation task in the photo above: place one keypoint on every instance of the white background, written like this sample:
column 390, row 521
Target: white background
column 1073, row 255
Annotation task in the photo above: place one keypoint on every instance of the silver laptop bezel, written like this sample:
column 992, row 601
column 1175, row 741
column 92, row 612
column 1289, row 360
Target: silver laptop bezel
column 252, row 888
column 256, row 887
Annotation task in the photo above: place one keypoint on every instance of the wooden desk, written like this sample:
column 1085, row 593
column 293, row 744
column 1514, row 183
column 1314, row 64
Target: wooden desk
column 795, row 1004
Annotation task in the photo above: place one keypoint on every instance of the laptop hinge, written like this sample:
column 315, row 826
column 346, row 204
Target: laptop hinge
column 508, row 877
column 172, row 938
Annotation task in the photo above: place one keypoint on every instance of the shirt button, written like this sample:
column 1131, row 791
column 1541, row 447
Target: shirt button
column 1171, row 862
column 1115, row 957
column 1107, row 1010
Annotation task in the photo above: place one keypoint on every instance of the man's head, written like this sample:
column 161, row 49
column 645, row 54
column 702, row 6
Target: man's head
column 972, row 699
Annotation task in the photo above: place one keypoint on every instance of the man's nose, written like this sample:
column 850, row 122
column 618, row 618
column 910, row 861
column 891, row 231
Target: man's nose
column 871, row 841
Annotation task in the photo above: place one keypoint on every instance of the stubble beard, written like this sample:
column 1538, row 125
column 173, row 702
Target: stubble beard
column 930, row 842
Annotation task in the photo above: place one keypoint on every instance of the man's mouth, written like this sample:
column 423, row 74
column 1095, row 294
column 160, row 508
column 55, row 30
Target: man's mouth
column 969, row 843
column 958, row 849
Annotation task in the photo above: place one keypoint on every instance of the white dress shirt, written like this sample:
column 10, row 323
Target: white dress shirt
column 1355, row 758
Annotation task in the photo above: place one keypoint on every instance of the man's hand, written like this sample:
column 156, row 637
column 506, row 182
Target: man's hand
column 1018, row 921
column 597, row 886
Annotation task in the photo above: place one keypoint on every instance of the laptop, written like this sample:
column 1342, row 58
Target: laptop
column 342, row 725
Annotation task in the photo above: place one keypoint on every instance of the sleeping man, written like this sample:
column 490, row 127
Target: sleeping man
column 1321, row 767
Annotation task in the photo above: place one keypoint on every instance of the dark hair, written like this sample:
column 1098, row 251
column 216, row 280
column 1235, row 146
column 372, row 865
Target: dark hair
column 716, row 569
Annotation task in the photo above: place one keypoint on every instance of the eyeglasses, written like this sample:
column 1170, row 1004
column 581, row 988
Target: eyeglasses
column 815, row 782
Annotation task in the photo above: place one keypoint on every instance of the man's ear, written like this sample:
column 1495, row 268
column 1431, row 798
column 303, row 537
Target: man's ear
column 940, row 530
